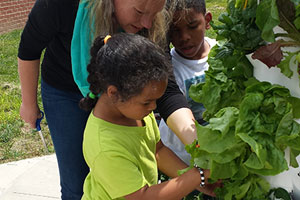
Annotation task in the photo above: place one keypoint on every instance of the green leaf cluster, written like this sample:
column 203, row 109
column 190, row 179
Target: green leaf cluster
column 238, row 26
column 267, row 19
column 250, row 122
column 240, row 145
column 225, row 81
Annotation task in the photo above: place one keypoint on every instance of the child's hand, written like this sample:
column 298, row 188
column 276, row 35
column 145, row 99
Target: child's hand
column 208, row 189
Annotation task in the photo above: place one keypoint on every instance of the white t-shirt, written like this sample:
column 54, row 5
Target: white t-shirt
column 187, row 73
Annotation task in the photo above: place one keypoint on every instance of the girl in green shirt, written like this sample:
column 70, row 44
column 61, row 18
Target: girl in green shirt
column 121, row 142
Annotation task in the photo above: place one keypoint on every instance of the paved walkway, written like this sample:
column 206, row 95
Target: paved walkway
column 37, row 179
column 30, row 179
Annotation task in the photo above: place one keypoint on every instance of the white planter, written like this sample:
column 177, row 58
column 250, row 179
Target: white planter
column 289, row 180
column 274, row 76
column 295, row 176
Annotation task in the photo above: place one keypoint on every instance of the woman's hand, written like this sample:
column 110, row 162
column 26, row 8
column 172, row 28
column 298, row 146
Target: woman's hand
column 30, row 114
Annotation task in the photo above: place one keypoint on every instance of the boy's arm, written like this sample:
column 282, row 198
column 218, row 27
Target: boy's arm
column 175, row 188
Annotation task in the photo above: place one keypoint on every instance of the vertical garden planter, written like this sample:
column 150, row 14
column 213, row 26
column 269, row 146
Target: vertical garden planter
column 289, row 180
column 253, row 135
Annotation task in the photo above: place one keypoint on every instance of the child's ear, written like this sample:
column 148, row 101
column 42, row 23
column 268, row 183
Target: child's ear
column 112, row 93
column 208, row 18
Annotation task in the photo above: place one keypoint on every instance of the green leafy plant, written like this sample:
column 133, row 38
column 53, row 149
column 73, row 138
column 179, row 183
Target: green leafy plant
column 250, row 122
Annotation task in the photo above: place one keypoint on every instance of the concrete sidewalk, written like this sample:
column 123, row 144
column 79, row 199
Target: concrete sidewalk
column 30, row 179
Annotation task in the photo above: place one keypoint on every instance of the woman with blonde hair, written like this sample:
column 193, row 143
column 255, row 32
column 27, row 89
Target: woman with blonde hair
column 103, row 17
column 145, row 17
column 50, row 26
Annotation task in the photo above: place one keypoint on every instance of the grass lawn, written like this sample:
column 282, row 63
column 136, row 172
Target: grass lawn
column 216, row 7
column 17, row 140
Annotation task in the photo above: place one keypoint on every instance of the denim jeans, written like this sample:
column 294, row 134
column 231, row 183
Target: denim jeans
column 66, row 123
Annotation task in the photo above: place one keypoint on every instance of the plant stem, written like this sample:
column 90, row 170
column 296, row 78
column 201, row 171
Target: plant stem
column 281, row 35
column 289, row 43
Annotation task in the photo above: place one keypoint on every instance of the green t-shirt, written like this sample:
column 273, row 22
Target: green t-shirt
column 121, row 158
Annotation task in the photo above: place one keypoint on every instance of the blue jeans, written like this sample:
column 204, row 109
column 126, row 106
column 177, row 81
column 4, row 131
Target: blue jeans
column 66, row 123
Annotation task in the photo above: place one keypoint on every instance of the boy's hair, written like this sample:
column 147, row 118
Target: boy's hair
column 179, row 5
column 127, row 61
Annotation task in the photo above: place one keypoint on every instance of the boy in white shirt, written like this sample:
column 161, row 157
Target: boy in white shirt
column 189, row 60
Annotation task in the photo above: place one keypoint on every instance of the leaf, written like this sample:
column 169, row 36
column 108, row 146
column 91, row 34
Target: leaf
column 271, row 54
column 264, row 185
column 297, row 23
column 195, row 92
column 267, row 18
column 288, row 133
column 209, row 95
column 281, row 193
column 223, row 171
column 213, row 141
column 241, row 174
column 229, row 154
column 298, row 11
column 182, row 171
column 298, row 57
column 284, row 65
column 293, row 160
column 224, row 18
column 202, row 159
column 296, row 106
column 257, row 159
column 239, row 28
column 224, row 119
column 286, row 9
column 296, row 2
column 287, row 15
column 243, row 190
column 248, row 112
column 275, row 161
column 239, row 3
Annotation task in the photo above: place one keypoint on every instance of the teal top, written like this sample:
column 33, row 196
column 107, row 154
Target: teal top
column 80, row 47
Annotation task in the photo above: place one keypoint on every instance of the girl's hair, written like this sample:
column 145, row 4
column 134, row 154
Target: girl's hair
column 127, row 61
column 101, row 16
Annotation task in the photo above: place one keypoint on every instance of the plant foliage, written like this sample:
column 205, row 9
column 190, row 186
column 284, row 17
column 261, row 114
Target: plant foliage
column 250, row 122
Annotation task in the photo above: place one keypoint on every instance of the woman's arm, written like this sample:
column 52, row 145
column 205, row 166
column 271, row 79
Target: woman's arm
column 28, row 74
column 41, row 27
column 182, row 123
column 175, row 188
column 174, row 109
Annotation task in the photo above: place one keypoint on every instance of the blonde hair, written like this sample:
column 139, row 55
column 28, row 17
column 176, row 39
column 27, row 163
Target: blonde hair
column 104, row 22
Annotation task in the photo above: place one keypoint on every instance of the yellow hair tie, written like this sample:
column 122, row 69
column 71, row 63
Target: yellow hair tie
column 106, row 38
